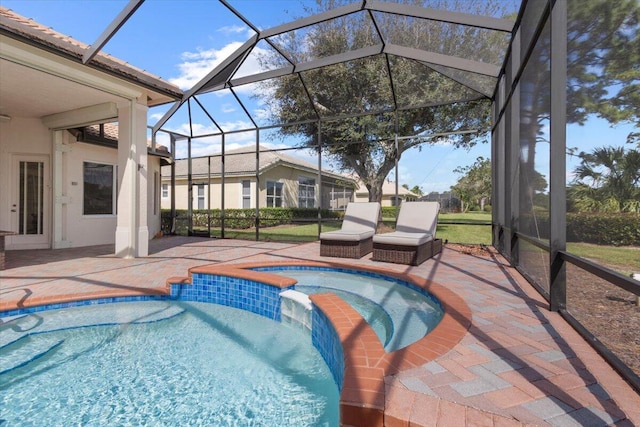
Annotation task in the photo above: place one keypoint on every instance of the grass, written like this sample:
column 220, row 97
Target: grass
column 467, row 228
column 464, row 233
column 623, row 259
column 467, row 218
column 471, row 232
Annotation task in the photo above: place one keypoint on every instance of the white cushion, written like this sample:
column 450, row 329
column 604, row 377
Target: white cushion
column 361, row 217
column 402, row 238
column 347, row 235
column 418, row 217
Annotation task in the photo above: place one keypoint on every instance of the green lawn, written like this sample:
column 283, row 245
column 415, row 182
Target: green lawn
column 463, row 233
column 469, row 232
column 469, row 217
column 623, row 259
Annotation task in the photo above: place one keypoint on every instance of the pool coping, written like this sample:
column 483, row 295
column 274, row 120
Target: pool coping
column 363, row 397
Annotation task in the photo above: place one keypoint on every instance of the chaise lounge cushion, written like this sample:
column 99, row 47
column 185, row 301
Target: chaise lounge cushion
column 360, row 222
column 403, row 238
column 417, row 223
column 346, row 235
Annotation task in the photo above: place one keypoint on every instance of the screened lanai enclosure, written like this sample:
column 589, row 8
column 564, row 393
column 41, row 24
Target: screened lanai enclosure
column 352, row 101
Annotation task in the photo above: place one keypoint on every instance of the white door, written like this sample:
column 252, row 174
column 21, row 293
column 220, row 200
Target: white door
column 30, row 203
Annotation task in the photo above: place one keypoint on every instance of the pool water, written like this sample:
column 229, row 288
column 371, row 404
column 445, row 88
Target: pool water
column 412, row 314
column 161, row 363
column 371, row 312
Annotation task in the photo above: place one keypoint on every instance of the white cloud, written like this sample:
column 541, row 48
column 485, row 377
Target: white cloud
column 227, row 108
column 156, row 116
column 232, row 29
column 196, row 65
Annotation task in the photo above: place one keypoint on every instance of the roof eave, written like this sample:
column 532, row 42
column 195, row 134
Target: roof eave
column 100, row 63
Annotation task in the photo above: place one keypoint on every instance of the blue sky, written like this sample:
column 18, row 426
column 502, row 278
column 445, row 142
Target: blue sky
column 182, row 41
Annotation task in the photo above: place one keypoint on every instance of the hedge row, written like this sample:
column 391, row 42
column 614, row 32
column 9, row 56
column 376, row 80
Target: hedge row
column 388, row 212
column 611, row 229
column 617, row 229
column 240, row 219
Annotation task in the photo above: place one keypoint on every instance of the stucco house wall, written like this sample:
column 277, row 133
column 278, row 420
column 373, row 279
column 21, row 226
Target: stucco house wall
column 48, row 97
column 275, row 167
column 388, row 194
column 29, row 139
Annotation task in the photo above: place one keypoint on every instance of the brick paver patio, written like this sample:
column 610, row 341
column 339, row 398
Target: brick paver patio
column 518, row 364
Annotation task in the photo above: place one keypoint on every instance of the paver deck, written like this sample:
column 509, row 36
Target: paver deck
column 518, row 363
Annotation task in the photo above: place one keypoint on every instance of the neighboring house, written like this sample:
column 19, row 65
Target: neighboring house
column 66, row 180
column 389, row 197
column 282, row 180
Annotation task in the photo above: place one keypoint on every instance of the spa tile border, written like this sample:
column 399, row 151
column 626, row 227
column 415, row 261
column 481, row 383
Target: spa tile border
column 33, row 302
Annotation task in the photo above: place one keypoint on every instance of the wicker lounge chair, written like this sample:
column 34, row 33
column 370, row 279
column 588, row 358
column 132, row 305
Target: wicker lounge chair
column 354, row 239
column 414, row 240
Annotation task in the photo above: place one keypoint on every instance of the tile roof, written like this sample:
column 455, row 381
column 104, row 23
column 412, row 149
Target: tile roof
column 388, row 188
column 242, row 162
column 30, row 31
column 111, row 134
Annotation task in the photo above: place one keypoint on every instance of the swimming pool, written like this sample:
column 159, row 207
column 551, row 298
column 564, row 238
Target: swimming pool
column 161, row 363
column 257, row 292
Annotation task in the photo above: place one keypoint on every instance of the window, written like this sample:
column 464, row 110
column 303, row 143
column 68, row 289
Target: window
column 306, row 192
column 200, row 196
column 274, row 194
column 246, row 194
column 99, row 197
column 165, row 191
column 396, row 201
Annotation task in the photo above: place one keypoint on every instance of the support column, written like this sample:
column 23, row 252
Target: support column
column 319, row 195
column 60, row 198
column 132, row 234
column 557, row 164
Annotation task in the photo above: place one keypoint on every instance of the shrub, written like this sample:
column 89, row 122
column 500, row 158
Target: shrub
column 615, row 229
column 602, row 228
column 388, row 212
column 244, row 218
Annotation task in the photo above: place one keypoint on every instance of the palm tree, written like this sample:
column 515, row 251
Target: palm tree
column 607, row 179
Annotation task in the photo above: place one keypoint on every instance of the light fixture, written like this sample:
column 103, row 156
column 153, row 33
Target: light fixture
column 4, row 118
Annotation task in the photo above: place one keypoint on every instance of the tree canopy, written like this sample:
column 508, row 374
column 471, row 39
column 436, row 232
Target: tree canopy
column 603, row 72
column 475, row 184
column 402, row 96
column 607, row 180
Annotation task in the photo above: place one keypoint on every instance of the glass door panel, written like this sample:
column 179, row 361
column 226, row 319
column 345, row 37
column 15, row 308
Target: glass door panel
column 31, row 198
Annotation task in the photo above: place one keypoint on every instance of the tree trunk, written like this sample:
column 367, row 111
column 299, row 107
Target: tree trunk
column 375, row 192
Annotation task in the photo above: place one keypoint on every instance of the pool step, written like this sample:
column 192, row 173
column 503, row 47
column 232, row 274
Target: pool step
column 26, row 350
